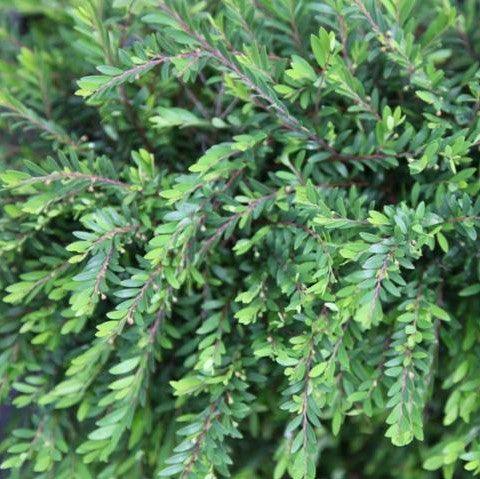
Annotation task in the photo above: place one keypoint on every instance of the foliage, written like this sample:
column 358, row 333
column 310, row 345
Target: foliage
column 240, row 238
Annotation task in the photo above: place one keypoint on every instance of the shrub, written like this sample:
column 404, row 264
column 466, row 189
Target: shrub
column 240, row 238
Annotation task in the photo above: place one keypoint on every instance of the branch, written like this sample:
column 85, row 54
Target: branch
column 142, row 68
column 20, row 111
column 74, row 175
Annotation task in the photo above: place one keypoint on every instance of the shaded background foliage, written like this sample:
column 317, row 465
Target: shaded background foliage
column 239, row 237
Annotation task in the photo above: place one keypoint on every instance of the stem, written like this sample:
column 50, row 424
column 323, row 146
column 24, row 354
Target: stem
column 74, row 175
column 143, row 67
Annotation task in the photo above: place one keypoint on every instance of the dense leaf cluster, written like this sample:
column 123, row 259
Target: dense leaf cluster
column 239, row 238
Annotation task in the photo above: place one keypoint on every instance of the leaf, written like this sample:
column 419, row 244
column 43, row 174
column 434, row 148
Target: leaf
column 439, row 312
column 13, row 177
column 378, row 219
column 125, row 366
column 319, row 50
column 172, row 117
column 102, row 433
column 426, row 96
column 171, row 470
column 433, row 463
column 301, row 69
column 211, row 157
column 160, row 18
column 186, row 385
column 471, row 290
column 318, row 369
column 442, row 241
